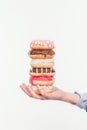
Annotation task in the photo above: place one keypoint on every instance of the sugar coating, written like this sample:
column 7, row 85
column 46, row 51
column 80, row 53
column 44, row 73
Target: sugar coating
column 42, row 43
column 42, row 87
column 41, row 61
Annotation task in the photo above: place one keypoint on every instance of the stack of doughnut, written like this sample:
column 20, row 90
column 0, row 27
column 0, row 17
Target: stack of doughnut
column 42, row 63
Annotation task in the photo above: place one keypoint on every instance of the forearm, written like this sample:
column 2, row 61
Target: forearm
column 70, row 98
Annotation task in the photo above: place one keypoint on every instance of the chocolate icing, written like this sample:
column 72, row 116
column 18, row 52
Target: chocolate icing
column 41, row 52
column 42, row 70
column 34, row 69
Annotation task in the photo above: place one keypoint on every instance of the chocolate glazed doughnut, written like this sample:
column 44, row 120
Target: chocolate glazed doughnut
column 42, row 72
column 41, row 53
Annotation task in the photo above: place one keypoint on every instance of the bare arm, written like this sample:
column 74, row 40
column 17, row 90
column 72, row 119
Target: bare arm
column 57, row 94
column 74, row 98
column 70, row 98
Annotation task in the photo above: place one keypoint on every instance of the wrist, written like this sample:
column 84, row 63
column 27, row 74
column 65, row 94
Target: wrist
column 70, row 98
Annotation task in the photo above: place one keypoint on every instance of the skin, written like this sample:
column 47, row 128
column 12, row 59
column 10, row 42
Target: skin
column 57, row 94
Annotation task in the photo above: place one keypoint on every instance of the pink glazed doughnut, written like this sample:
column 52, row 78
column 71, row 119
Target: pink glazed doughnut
column 42, row 44
column 41, row 80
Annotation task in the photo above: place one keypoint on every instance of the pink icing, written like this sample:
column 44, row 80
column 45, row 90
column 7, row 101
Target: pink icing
column 43, row 43
column 40, row 78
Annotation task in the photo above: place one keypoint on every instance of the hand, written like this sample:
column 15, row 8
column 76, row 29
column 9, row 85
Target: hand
column 55, row 95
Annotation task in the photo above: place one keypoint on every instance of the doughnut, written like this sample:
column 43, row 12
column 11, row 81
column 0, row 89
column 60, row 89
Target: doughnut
column 38, row 63
column 42, row 44
column 47, row 89
column 41, row 56
column 41, row 53
column 41, row 80
column 42, row 83
column 42, row 72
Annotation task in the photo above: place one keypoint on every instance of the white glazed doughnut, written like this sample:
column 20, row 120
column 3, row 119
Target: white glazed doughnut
column 47, row 89
column 42, row 63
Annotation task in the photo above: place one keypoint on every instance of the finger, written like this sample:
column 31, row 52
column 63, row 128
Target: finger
column 47, row 95
column 43, row 92
column 33, row 94
column 27, row 89
column 24, row 88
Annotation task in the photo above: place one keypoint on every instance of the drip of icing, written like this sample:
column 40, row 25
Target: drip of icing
column 42, row 70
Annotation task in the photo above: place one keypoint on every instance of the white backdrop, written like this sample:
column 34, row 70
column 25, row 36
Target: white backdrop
column 64, row 22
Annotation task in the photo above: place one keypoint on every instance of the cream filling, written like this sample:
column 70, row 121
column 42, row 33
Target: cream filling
column 41, row 61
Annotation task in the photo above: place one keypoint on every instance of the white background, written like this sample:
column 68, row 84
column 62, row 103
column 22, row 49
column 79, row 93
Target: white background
column 64, row 22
